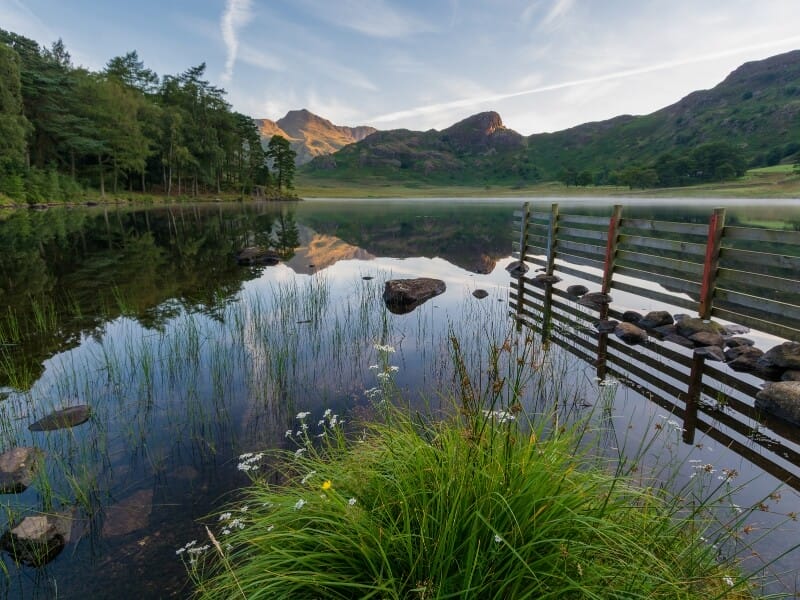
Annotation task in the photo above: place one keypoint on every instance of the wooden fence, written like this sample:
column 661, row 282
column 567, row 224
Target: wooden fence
column 747, row 276
column 744, row 275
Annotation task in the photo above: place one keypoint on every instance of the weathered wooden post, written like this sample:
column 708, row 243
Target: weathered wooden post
column 552, row 240
column 707, row 287
column 711, row 263
column 523, row 244
column 608, row 274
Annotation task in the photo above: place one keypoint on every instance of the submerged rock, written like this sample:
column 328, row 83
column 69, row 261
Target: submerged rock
column 606, row 326
column 129, row 515
column 18, row 466
column 688, row 326
column 710, row 352
column 630, row 333
column 517, row 268
column 707, row 338
column 36, row 540
column 595, row 300
column 480, row 294
column 781, row 399
column 577, row 290
column 656, row 318
column 404, row 295
column 61, row 419
column 543, row 279
column 785, row 356
column 736, row 342
column 631, row 316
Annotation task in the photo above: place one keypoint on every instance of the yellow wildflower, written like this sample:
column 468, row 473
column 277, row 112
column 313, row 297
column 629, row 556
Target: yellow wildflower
column 326, row 485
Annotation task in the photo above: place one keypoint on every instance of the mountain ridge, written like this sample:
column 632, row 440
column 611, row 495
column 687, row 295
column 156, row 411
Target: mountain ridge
column 755, row 108
column 311, row 135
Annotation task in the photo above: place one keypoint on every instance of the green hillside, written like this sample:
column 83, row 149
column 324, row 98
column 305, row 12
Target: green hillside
column 755, row 111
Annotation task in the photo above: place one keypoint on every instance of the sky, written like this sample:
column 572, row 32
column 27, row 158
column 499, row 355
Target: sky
column 543, row 65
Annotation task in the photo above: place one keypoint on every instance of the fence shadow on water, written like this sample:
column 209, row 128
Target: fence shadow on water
column 746, row 276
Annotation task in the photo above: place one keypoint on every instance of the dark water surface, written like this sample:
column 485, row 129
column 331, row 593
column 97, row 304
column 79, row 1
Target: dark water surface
column 188, row 359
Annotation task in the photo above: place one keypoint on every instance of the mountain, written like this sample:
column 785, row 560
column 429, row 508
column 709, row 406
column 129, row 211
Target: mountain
column 756, row 108
column 311, row 135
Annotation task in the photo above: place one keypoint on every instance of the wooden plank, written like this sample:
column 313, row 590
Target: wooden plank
column 678, row 247
column 780, row 264
column 666, row 227
column 577, row 259
column 761, row 308
column 584, row 234
column 578, row 273
column 691, row 269
column 653, row 295
column 674, row 284
column 768, row 236
column 733, row 278
column 589, row 250
column 733, row 315
column 529, row 258
column 585, row 220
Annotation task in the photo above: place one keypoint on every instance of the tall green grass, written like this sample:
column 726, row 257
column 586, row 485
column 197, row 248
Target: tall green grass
column 484, row 503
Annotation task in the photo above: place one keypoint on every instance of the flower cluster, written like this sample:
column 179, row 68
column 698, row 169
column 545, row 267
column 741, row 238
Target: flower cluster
column 501, row 416
column 248, row 460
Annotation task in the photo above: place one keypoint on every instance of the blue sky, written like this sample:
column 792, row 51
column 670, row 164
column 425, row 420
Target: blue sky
column 544, row 65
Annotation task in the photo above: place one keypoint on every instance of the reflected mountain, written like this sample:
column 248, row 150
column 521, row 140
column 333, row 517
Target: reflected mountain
column 318, row 251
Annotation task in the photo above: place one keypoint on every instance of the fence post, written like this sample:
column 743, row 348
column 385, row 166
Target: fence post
column 523, row 244
column 552, row 233
column 552, row 239
column 711, row 263
column 611, row 251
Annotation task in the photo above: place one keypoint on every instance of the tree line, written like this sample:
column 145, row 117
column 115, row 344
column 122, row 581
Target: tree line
column 714, row 161
column 64, row 129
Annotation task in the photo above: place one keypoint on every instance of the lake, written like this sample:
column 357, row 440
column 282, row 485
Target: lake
column 189, row 359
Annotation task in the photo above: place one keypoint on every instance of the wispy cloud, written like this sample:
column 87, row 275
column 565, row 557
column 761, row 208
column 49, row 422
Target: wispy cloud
column 237, row 14
column 559, row 9
column 375, row 18
column 479, row 100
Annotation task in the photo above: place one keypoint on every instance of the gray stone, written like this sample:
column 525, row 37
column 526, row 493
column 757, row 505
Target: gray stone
column 36, row 540
column 786, row 356
column 480, row 294
column 680, row 317
column 404, row 295
column 630, row 333
column 595, row 300
column 129, row 515
column 665, row 330
column 781, row 399
column 751, row 353
column 736, row 342
column 606, row 325
column 791, row 375
column 766, row 370
column 61, row 419
column 577, row 290
column 710, row 352
column 706, row 338
column 733, row 329
column 678, row 339
column 689, row 326
column 544, row 279
column 517, row 268
column 656, row 318
column 18, row 467
column 631, row 316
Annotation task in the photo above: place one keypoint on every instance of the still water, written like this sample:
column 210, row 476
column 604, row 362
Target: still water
column 188, row 359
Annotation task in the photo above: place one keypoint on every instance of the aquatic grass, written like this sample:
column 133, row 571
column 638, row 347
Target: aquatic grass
column 424, row 509
column 488, row 502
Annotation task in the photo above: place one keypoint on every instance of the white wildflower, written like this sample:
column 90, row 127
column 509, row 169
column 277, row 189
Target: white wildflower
column 299, row 452
column 394, row 369
column 351, row 502
column 308, row 476
column 288, row 433
column 387, row 349
column 497, row 538
column 302, row 415
column 225, row 516
column 299, row 504
column 327, row 413
column 270, row 528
